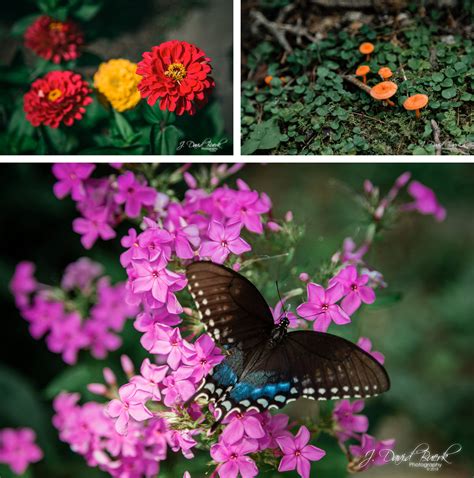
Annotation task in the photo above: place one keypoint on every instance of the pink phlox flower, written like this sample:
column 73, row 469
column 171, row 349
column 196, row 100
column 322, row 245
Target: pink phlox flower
column 133, row 194
column 204, row 357
column 186, row 238
column 150, row 378
column 297, row 454
column 322, row 308
column 155, row 438
column 223, row 240
column 350, row 254
column 178, row 387
column 347, row 422
column 425, row 201
column 131, row 404
column 233, row 459
column 80, row 274
column 168, row 342
column 182, row 440
column 23, row 283
column 92, row 226
column 110, row 307
column 278, row 313
column 366, row 344
column 246, row 208
column 275, row 426
column 18, row 449
column 240, row 425
column 145, row 322
column 71, row 177
column 158, row 282
column 42, row 315
column 154, row 243
column 355, row 289
column 133, row 248
column 371, row 452
column 376, row 278
column 67, row 337
column 100, row 339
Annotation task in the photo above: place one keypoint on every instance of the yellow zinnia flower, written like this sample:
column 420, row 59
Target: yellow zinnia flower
column 117, row 81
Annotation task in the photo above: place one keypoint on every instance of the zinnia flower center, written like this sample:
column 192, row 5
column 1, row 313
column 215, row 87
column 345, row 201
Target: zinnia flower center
column 56, row 26
column 176, row 71
column 53, row 95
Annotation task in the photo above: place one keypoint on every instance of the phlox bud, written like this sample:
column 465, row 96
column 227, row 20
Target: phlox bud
column 109, row 376
column 127, row 365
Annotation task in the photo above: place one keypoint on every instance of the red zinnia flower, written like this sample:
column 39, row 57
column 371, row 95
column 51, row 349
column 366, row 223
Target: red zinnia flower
column 53, row 40
column 177, row 73
column 58, row 97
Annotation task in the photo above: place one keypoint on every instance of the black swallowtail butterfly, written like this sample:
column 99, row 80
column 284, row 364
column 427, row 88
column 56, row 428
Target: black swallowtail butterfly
column 267, row 366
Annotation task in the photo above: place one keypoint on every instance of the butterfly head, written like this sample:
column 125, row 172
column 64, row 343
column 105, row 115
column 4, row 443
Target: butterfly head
column 279, row 331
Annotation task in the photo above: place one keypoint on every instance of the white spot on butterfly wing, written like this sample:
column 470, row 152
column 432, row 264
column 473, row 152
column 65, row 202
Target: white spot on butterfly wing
column 245, row 403
column 280, row 398
column 207, row 312
column 263, row 402
column 334, row 390
column 322, row 391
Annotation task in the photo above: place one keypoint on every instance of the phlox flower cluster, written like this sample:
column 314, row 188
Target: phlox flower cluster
column 59, row 313
column 139, row 423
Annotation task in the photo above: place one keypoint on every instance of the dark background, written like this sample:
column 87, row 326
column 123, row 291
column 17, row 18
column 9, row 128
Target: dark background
column 426, row 336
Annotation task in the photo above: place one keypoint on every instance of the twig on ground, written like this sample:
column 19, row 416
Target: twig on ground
column 272, row 27
column 279, row 29
column 403, row 73
column 436, row 133
column 356, row 82
column 367, row 116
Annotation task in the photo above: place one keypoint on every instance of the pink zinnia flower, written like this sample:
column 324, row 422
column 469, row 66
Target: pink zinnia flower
column 233, row 459
column 322, row 308
column 223, row 240
column 297, row 454
column 355, row 289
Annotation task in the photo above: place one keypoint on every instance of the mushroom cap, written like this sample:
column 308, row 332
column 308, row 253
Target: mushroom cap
column 362, row 70
column 385, row 72
column 268, row 79
column 366, row 48
column 384, row 90
column 415, row 102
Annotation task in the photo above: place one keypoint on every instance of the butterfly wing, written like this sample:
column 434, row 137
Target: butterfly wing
column 232, row 309
column 306, row 364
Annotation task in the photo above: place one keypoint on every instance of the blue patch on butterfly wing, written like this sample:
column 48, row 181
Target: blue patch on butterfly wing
column 224, row 375
column 245, row 390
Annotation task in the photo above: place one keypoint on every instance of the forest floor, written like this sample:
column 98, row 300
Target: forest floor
column 310, row 107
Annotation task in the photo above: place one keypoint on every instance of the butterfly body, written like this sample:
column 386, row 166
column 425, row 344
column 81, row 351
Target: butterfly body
column 267, row 366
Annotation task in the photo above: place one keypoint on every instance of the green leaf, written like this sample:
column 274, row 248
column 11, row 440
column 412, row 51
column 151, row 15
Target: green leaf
column 123, row 126
column 20, row 26
column 21, row 406
column 449, row 93
column 164, row 141
column 265, row 135
column 20, row 132
column 74, row 379
column 88, row 10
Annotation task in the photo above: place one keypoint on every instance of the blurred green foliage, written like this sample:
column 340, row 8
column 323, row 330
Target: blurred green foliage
column 312, row 110
column 422, row 322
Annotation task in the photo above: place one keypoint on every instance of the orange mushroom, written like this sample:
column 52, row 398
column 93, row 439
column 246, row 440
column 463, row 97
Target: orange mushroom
column 268, row 79
column 366, row 49
column 415, row 102
column 362, row 71
column 383, row 91
column 385, row 73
